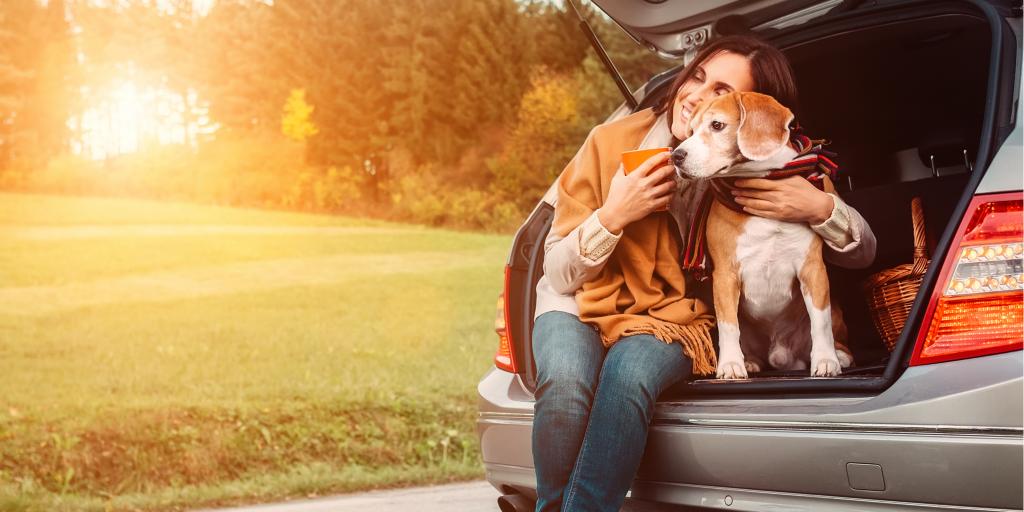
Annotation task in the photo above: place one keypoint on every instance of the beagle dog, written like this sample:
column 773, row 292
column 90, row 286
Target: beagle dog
column 771, row 292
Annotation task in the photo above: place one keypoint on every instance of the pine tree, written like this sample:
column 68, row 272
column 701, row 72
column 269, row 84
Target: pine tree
column 14, row 72
column 554, row 32
column 54, row 85
column 14, row 75
column 36, row 81
column 491, row 66
column 236, row 68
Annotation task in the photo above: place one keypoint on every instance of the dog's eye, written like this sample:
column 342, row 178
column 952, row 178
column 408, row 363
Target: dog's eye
column 717, row 125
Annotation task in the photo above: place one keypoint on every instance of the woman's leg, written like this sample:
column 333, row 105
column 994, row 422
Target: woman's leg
column 568, row 354
column 636, row 370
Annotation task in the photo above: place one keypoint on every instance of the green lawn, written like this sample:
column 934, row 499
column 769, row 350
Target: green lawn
column 159, row 355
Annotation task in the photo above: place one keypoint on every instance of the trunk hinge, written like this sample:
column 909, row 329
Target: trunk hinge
column 603, row 55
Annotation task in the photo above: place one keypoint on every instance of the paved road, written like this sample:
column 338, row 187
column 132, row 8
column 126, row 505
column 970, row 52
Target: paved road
column 465, row 497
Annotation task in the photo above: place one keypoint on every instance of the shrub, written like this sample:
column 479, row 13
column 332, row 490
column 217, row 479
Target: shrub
column 546, row 135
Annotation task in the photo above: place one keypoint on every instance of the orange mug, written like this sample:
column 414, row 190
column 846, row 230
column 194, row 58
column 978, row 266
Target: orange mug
column 632, row 159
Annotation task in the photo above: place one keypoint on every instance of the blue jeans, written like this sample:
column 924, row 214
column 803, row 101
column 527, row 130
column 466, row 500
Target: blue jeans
column 594, row 407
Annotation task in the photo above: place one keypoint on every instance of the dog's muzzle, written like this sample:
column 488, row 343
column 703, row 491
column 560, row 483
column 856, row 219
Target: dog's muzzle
column 678, row 157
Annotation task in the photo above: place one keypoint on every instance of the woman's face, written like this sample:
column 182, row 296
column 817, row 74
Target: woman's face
column 721, row 73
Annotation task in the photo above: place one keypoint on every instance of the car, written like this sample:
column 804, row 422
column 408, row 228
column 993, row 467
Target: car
column 921, row 99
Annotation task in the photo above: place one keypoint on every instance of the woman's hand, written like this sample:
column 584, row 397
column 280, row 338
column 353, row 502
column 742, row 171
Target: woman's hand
column 634, row 196
column 791, row 199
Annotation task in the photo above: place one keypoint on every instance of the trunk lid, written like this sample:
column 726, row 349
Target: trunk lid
column 677, row 28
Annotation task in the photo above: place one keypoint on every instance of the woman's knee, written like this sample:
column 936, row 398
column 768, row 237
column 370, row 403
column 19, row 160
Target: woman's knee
column 566, row 382
column 644, row 364
column 566, row 349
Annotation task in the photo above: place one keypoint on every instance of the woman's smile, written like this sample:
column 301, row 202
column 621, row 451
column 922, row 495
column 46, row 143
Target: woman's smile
column 685, row 114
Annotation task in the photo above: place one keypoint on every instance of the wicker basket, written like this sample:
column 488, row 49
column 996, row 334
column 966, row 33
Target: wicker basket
column 891, row 292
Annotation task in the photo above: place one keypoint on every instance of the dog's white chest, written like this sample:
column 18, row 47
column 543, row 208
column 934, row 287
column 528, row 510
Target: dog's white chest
column 770, row 254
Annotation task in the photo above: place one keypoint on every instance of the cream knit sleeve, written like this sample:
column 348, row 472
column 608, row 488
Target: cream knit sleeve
column 849, row 241
column 578, row 257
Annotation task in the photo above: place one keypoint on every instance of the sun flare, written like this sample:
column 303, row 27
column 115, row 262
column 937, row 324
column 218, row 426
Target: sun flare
column 126, row 118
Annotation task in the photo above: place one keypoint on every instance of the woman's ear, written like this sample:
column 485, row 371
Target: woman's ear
column 764, row 125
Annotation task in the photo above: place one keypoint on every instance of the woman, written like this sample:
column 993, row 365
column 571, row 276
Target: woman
column 614, row 326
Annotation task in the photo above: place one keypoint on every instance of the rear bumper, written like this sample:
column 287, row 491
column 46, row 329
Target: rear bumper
column 944, row 435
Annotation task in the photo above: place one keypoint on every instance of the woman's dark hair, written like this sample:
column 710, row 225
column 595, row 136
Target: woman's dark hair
column 771, row 71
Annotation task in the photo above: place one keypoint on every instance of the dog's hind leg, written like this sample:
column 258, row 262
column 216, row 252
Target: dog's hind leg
column 753, row 364
column 841, row 335
column 815, row 290
column 791, row 340
column 754, row 340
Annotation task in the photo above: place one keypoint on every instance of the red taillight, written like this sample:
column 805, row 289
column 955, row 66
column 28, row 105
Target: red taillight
column 504, row 359
column 977, row 307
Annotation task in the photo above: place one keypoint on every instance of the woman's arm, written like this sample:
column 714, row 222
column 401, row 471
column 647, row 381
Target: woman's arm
column 578, row 257
column 849, row 241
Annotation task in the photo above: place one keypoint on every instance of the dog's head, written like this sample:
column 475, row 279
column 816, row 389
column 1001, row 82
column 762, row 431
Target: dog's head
column 736, row 134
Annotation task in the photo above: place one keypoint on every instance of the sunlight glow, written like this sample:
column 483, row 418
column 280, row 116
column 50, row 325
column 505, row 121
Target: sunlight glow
column 126, row 118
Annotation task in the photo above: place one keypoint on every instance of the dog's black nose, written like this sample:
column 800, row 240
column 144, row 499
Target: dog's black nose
column 678, row 156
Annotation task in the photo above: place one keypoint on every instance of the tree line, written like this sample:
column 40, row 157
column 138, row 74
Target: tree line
column 456, row 112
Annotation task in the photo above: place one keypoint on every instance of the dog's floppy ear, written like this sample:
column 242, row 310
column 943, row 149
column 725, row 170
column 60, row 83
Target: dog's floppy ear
column 764, row 125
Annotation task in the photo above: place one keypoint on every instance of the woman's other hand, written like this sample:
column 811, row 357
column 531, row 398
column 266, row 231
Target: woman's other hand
column 792, row 199
column 632, row 197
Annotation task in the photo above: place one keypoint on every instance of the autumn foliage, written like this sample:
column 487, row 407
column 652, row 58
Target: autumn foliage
column 445, row 112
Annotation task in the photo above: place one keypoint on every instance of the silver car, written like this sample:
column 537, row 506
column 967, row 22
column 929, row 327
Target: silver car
column 921, row 99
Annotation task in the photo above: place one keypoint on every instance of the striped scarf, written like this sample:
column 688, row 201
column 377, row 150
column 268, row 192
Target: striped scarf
column 813, row 162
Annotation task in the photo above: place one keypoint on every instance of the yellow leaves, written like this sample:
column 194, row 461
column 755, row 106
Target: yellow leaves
column 295, row 122
column 546, row 134
column 547, row 108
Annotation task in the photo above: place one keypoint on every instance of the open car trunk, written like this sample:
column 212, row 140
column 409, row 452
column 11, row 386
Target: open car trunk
column 909, row 105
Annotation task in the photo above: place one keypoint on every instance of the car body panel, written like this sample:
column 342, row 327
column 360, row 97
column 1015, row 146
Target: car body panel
column 965, row 392
column 916, row 467
column 939, row 434
column 753, row 500
column 1005, row 173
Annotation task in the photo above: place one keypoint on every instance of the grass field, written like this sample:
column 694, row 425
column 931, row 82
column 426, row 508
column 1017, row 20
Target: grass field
column 159, row 355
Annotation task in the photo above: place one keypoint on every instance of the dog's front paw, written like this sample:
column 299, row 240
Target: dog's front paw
column 825, row 366
column 731, row 370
